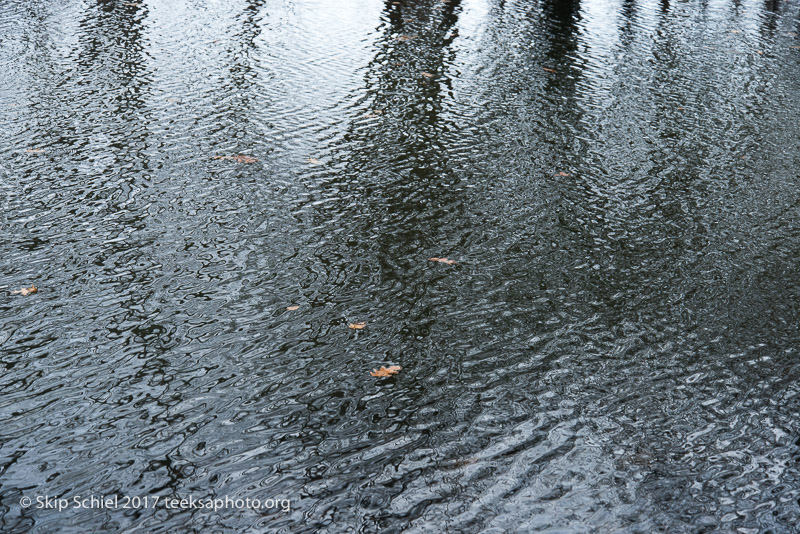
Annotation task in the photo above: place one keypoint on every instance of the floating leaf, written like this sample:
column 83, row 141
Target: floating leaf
column 386, row 371
column 681, row 108
column 405, row 37
column 25, row 291
column 292, row 308
column 443, row 260
column 314, row 161
column 427, row 74
column 239, row 158
column 548, row 70
column 357, row 326
column 759, row 52
column 562, row 173
column 34, row 150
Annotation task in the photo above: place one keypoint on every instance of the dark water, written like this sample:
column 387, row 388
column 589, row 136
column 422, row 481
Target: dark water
column 615, row 350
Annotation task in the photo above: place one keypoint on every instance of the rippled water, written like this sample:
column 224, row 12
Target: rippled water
column 616, row 347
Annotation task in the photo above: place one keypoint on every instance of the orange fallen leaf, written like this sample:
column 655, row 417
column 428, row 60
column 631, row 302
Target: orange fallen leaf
column 25, row 291
column 386, row 371
column 292, row 308
column 759, row 52
column 427, row 74
column 548, row 70
column 239, row 158
column 357, row 326
column 34, row 150
column 443, row 260
column 681, row 108
column 562, row 173
column 405, row 37
column 314, row 161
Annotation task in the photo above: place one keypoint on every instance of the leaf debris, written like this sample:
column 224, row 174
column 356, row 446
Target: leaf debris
column 357, row 326
column 293, row 307
column 443, row 260
column 25, row 291
column 386, row 371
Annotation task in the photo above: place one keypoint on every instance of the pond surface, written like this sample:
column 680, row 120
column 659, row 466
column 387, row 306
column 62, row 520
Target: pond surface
column 615, row 348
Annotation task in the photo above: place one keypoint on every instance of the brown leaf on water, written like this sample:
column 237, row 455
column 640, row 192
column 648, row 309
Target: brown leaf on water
column 357, row 326
column 34, row 150
column 552, row 71
column 25, row 291
column 562, row 173
column 760, row 52
column 314, row 161
column 239, row 158
column 293, row 307
column 443, row 260
column 386, row 371
column 405, row 37
column 681, row 108
column 427, row 74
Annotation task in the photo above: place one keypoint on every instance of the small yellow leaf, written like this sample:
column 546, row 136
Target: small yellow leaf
column 443, row 260
column 386, row 371
column 357, row 326
column 25, row 291
column 314, row 161
column 292, row 308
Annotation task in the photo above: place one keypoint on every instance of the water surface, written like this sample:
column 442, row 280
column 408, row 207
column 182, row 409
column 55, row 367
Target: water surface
column 616, row 348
